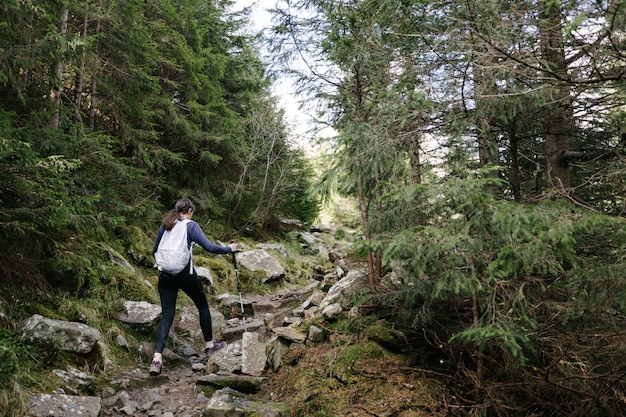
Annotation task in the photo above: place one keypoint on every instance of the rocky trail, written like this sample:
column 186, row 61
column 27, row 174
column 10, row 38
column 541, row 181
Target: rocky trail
column 174, row 393
column 192, row 385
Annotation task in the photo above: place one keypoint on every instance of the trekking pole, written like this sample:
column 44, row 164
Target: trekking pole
column 243, row 313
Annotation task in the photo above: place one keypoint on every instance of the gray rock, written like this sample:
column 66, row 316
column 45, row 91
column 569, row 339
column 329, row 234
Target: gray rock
column 45, row 405
column 323, row 228
column 231, row 403
column 342, row 290
column 316, row 335
column 332, row 310
column 276, row 349
column 344, row 267
column 117, row 258
column 307, row 238
column 290, row 334
column 339, row 272
column 122, row 342
column 234, row 302
column 204, row 274
column 275, row 247
column 140, row 313
column 108, row 392
column 314, row 300
column 189, row 351
column 253, row 357
column 260, row 260
column 197, row 367
column 294, row 223
column 235, row 333
column 227, row 360
column 190, row 323
column 74, row 377
column 62, row 335
column 290, row 321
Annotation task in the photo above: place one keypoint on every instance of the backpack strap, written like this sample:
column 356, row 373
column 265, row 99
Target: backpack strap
column 184, row 222
column 191, row 257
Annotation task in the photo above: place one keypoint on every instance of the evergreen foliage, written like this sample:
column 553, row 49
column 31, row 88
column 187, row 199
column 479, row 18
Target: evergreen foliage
column 482, row 141
column 111, row 111
column 511, row 292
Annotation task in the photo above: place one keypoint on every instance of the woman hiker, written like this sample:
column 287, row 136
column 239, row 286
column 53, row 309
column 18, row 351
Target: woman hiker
column 177, row 226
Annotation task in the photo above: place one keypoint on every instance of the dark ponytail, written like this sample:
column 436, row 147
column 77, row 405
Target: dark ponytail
column 182, row 206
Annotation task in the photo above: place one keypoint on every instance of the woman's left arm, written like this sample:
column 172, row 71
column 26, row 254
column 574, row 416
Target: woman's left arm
column 196, row 235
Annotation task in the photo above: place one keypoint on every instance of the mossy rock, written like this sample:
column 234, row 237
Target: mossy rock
column 382, row 333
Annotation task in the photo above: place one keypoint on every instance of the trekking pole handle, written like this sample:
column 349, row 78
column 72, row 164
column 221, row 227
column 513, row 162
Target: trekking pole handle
column 234, row 258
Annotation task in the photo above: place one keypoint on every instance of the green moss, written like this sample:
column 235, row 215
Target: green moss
column 345, row 325
column 352, row 358
column 8, row 364
column 383, row 334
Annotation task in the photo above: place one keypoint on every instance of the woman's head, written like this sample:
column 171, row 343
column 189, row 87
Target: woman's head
column 181, row 207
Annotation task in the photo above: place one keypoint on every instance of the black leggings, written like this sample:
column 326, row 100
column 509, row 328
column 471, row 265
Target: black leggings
column 168, row 291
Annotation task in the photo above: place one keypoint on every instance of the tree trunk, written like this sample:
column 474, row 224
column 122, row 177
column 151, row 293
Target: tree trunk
column 414, row 160
column 94, row 72
column 378, row 254
column 55, row 94
column 480, row 357
column 484, row 93
column 366, row 230
column 516, row 179
column 80, row 77
column 559, row 119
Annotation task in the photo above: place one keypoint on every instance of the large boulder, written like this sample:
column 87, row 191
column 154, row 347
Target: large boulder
column 62, row 335
column 225, row 361
column 117, row 258
column 231, row 306
column 231, row 403
column 260, row 260
column 190, row 323
column 290, row 334
column 205, row 275
column 253, row 356
column 344, row 289
column 140, row 314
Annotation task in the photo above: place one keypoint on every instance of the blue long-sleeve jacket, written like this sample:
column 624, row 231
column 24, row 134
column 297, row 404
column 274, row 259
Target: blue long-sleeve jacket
column 194, row 234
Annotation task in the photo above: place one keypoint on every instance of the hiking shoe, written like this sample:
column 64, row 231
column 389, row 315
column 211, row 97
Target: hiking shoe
column 216, row 346
column 155, row 368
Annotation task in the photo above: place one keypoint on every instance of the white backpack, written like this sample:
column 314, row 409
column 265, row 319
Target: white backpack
column 173, row 253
